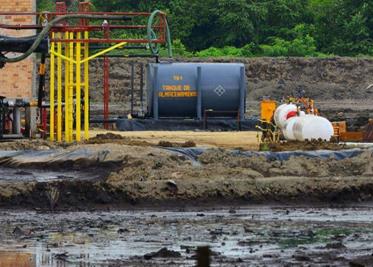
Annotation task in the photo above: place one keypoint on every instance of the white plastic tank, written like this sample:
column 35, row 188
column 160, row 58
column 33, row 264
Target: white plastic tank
column 282, row 114
column 311, row 127
column 288, row 129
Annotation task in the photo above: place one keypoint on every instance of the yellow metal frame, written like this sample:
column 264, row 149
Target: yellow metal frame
column 71, row 55
column 51, row 90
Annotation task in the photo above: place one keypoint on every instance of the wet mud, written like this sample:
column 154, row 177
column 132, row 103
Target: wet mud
column 239, row 236
column 114, row 174
column 114, row 203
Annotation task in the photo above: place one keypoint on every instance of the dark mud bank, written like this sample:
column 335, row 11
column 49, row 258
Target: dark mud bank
column 88, row 194
column 92, row 177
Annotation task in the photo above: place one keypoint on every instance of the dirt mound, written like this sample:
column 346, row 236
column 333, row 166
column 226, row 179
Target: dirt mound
column 176, row 144
column 108, row 136
column 34, row 144
column 117, row 139
column 295, row 166
column 223, row 175
column 306, row 146
column 143, row 174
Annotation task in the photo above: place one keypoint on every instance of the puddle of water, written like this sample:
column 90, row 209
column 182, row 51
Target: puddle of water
column 100, row 238
column 17, row 175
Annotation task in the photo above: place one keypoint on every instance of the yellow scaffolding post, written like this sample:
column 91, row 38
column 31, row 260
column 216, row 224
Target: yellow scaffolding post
column 51, row 92
column 71, row 91
column 59, row 92
column 70, row 54
column 67, row 84
column 78, row 88
column 86, row 88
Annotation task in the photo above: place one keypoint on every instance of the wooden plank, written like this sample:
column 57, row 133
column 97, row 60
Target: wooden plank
column 351, row 136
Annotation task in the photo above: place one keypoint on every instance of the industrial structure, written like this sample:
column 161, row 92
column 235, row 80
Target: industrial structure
column 70, row 50
column 183, row 91
column 179, row 96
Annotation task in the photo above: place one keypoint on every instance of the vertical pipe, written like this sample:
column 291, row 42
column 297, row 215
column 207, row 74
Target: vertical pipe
column 155, row 94
column 78, row 88
column 27, row 121
column 2, row 117
column 106, row 92
column 241, row 115
column 59, row 91
column 142, row 87
column 71, row 89
column 41, row 80
column 51, row 92
column 242, row 93
column 132, row 85
column 44, row 116
column 86, row 88
column 67, row 88
column 106, row 78
column 199, row 93
column 203, row 257
column 16, row 124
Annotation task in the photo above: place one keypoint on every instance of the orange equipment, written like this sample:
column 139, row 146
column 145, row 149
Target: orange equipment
column 267, row 109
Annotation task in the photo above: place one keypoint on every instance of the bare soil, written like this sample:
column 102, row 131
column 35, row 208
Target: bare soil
column 244, row 140
column 117, row 170
column 306, row 146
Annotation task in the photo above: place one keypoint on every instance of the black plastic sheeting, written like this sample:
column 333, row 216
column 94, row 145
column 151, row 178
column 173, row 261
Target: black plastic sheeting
column 319, row 154
column 102, row 158
column 124, row 124
column 193, row 153
column 58, row 157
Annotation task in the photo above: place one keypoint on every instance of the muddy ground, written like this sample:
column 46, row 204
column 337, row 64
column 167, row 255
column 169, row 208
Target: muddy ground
column 124, row 172
column 153, row 199
column 67, row 189
column 239, row 236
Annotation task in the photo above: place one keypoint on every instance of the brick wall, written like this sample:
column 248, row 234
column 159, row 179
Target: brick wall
column 17, row 79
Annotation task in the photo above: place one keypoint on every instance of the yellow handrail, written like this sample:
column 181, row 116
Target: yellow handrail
column 63, row 57
column 104, row 52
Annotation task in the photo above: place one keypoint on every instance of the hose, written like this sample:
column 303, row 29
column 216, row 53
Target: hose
column 154, row 48
column 49, row 26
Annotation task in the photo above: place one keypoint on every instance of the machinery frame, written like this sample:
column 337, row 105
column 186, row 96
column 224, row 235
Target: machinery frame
column 69, row 50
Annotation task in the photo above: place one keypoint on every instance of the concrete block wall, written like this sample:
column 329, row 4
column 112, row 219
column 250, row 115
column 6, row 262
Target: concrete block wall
column 17, row 79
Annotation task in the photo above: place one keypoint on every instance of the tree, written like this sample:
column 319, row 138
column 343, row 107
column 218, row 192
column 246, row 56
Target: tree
column 344, row 27
column 340, row 27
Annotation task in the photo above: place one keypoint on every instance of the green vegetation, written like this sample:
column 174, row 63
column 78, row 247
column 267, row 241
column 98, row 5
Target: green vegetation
column 214, row 28
column 319, row 235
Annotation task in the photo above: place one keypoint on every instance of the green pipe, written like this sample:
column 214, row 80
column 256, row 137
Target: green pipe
column 154, row 48
column 49, row 26
column 44, row 33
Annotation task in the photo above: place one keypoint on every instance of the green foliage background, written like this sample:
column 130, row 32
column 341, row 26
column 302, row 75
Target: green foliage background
column 246, row 28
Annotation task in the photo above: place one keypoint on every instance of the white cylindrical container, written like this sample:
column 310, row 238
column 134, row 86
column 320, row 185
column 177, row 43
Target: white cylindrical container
column 311, row 127
column 288, row 129
column 282, row 114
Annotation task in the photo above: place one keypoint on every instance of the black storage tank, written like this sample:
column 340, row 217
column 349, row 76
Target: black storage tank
column 187, row 90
